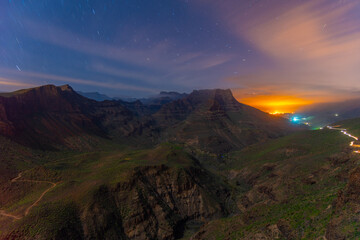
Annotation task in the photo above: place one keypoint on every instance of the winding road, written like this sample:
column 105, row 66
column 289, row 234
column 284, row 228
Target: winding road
column 18, row 179
column 344, row 131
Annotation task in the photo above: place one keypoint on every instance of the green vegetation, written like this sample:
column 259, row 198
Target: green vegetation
column 293, row 179
column 313, row 146
column 289, row 182
column 54, row 221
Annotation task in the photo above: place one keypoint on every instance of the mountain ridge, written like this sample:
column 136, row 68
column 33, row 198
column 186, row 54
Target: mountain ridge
column 46, row 109
column 218, row 113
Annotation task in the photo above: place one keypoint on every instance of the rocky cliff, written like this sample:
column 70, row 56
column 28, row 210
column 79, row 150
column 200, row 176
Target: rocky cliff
column 156, row 202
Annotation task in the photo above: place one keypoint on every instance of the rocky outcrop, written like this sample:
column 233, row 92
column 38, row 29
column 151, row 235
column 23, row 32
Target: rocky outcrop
column 155, row 203
column 351, row 193
column 344, row 223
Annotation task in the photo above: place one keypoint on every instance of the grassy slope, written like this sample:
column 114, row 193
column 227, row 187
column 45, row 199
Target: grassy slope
column 345, row 221
column 79, row 175
column 353, row 125
column 292, row 158
column 302, row 179
column 303, row 147
column 15, row 158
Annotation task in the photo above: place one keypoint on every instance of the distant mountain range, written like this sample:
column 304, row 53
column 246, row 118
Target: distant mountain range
column 162, row 97
column 51, row 117
column 95, row 96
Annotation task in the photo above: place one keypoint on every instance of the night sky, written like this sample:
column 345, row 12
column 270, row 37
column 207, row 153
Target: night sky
column 271, row 53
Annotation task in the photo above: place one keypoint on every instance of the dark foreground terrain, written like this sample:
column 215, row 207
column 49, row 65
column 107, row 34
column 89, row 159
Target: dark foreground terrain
column 201, row 166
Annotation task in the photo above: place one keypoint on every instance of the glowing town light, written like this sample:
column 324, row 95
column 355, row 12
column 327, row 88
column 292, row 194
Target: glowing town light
column 277, row 113
column 295, row 119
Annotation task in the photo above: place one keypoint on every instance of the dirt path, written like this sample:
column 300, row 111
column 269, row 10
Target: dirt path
column 3, row 213
column 18, row 179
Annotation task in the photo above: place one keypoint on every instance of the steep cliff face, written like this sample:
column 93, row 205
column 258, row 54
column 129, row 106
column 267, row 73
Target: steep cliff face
column 155, row 204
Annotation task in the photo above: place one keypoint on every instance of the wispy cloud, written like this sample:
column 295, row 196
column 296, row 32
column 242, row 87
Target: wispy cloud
column 123, row 73
column 65, row 79
column 159, row 57
column 310, row 31
column 14, row 83
column 60, row 37
column 267, row 83
column 163, row 64
column 307, row 43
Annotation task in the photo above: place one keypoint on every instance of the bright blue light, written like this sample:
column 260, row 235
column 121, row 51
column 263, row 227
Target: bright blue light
column 295, row 119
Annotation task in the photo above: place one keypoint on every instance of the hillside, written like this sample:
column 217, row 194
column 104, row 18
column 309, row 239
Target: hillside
column 284, row 188
column 119, row 194
column 214, row 119
column 301, row 186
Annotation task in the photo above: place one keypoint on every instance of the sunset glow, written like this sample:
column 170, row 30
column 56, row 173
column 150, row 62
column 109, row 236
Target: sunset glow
column 276, row 104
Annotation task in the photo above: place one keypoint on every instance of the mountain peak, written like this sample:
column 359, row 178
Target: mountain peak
column 49, row 89
column 220, row 95
column 217, row 91
column 66, row 87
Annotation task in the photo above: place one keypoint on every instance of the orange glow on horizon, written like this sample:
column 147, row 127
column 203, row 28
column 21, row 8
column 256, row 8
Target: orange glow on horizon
column 278, row 113
column 275, row 104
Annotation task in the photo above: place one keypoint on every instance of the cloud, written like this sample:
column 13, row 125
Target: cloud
column 13, row 83
column 304, row 43
column 66, row 39
column 123, row 73
column 312, row 31
column 65, row 79
column 165, row 64
column 274, row 83
column 161, row 56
